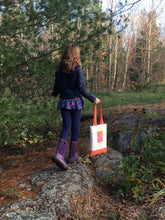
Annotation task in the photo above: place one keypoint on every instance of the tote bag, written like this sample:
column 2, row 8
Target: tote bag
column 98, row 134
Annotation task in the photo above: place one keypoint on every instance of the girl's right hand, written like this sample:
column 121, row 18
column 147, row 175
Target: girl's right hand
column 97, row 100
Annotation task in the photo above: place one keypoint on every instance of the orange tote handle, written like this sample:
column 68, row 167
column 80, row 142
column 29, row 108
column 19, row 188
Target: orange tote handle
column 95, row 115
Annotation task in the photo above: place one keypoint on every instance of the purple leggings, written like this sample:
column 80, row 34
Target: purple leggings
column 71, row 121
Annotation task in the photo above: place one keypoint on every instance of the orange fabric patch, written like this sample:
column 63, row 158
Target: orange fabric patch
column 100, row 151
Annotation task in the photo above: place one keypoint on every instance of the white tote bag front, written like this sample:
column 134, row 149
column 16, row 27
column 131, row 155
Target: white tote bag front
column 98, row 135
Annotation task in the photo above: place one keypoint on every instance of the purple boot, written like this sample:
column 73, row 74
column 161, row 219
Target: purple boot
column 58, row 157
column 72, row 154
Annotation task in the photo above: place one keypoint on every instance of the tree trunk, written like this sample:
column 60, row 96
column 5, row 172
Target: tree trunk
column 109, row 62
column 110, row 47
column 126, row 64
column 149, row 52
column 115, row 65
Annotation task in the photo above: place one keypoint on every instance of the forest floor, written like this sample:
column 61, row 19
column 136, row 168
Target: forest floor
column 16, row 165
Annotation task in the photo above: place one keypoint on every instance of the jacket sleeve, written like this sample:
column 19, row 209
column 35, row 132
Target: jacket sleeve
column 81, row 85
column 55, row 87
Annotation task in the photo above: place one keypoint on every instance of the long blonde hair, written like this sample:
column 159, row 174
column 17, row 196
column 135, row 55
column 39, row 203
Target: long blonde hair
column 70, row 58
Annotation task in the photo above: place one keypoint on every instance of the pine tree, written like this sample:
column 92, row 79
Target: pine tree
column 34, row 34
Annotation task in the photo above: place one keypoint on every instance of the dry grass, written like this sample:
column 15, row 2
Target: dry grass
column 97, row 205
column 94, row 205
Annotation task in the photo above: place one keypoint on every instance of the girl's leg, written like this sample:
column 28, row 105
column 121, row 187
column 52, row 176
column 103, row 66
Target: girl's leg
column 62, row 145
column 76, row 117
column 67, row 120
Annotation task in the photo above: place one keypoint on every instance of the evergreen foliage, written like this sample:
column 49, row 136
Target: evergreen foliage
column 34, row 33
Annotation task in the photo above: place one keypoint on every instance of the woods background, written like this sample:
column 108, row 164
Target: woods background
column 120, row 48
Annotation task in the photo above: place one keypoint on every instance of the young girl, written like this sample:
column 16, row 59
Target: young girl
column 70, row 85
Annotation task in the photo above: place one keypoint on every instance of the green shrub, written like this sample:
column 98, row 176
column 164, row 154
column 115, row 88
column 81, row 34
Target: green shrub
column 27, row 122
column 140, row 170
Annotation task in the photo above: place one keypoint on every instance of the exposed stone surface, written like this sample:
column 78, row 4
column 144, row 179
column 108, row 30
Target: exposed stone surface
column 122, row 141
column 58, row 186
column 108, row 163
column 54, row 197
column 62, row 185
column 31, row 209
column 123, row 129
column 128, row 122
column 159, row 122
column 133, row 127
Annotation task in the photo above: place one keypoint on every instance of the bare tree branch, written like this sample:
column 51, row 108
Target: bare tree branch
column 130, row 5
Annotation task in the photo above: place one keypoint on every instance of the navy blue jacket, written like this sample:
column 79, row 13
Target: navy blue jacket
column 71, row 85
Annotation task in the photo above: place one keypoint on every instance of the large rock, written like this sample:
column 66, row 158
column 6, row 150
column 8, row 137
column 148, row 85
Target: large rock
column 107, row 164
column 129, row 122
column 129, row 129
column 30, row 209
column 62, row 185
column 54, row 197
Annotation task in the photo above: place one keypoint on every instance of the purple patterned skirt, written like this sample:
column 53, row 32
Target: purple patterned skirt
column 76, row 103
